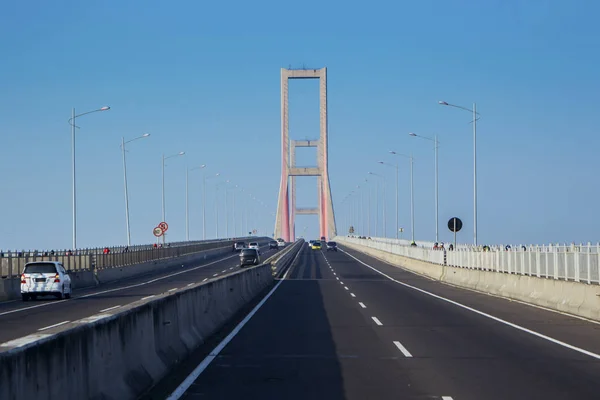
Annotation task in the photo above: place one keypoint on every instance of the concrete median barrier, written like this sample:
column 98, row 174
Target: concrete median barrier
column 571, row 297
column 119, row 356
column 10, row 287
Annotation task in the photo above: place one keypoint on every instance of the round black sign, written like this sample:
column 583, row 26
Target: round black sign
column 455, row 224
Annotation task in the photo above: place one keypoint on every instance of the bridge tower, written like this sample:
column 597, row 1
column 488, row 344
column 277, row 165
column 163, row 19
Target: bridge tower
column 286, row 216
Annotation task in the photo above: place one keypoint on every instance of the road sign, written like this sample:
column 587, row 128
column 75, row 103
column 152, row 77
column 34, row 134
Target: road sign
column 454, row 224
column 158, row 232
column 164, row 226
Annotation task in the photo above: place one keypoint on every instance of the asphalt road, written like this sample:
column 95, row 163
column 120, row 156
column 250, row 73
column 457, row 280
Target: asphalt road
column 336, row 328
column 18, row 318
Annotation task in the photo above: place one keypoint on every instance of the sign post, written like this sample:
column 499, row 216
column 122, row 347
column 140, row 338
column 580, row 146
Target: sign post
column 455, row 225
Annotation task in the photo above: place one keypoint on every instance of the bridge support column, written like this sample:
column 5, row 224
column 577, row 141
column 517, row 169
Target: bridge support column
column 285, row 220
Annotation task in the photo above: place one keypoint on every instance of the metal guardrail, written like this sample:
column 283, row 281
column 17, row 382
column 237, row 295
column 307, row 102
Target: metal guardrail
column 578, row 263
column 11, row 264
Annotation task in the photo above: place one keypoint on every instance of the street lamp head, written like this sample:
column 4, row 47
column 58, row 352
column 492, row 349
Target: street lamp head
column 203, row 166
column 443, row 103
column 181, row 153
column 105, row 108
column 393, row 152
column 145, row 135
column 370, row 173
column 217, row 174
column 412, row 134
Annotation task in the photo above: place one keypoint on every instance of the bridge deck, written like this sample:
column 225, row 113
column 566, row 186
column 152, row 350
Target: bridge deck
column 339, row 329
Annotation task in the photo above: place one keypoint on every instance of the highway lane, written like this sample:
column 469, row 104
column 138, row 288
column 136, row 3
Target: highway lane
column 310, row 339
column 18, row 319
column 365, row 329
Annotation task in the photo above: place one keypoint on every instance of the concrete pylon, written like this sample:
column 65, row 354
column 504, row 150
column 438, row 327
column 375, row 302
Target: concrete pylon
column 285, row 219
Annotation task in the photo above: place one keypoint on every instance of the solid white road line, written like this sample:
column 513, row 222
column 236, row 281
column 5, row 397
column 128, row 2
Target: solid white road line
column 181, row 389
column 190, row 284
column 518, row 327
column 362, row 304
column 377, row 321
column 352, row 294
column 54, row 326
column 172, row 290
column 110, row 308
column 148, row 297
column 204, row 280
column 402, row 349
column 446, row 398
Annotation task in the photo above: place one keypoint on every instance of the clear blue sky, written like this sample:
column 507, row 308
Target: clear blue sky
column 203, row 77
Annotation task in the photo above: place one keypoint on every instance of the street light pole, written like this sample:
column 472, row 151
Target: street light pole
column 475, row 174
column 123, row 143
column 397, row 208
column 412, row 195
column 475, row 118
column 204, row 206
column 187, row 208
column 126, row 193
column 412, row 201
column 435, row 150
column 74, row 189
column 384, row 224
column 181, row 153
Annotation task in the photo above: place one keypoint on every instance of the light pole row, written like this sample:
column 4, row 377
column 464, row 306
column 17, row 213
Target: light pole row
column 436, row 142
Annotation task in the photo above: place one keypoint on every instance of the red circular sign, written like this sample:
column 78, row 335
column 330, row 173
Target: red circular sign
column 164, row 226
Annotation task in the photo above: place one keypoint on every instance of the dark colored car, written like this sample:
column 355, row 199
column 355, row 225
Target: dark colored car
column 249, row 257
column 273, row 244
column 323, row 238
column 331, row 246
column 238, row 246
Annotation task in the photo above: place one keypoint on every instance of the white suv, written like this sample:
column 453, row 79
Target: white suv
column 43, row 278
column 253, row 245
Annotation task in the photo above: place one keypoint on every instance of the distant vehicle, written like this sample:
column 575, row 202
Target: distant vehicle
column 316, row 245
column 45, row 278
column 323, row 238
column 280, row 242
column 273, row 244
column 253, row 245
column 331, row 246
column 249, row 257
column 238, row 246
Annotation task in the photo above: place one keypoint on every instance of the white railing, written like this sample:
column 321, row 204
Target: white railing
column 419, row 253
column 579, row 263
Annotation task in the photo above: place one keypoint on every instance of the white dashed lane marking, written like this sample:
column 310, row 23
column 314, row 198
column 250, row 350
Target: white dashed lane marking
column 110, row 308
column 54, row 326
column 402, row 349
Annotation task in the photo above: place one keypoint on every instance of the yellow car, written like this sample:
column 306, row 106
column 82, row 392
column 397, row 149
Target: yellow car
column 316, row 246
